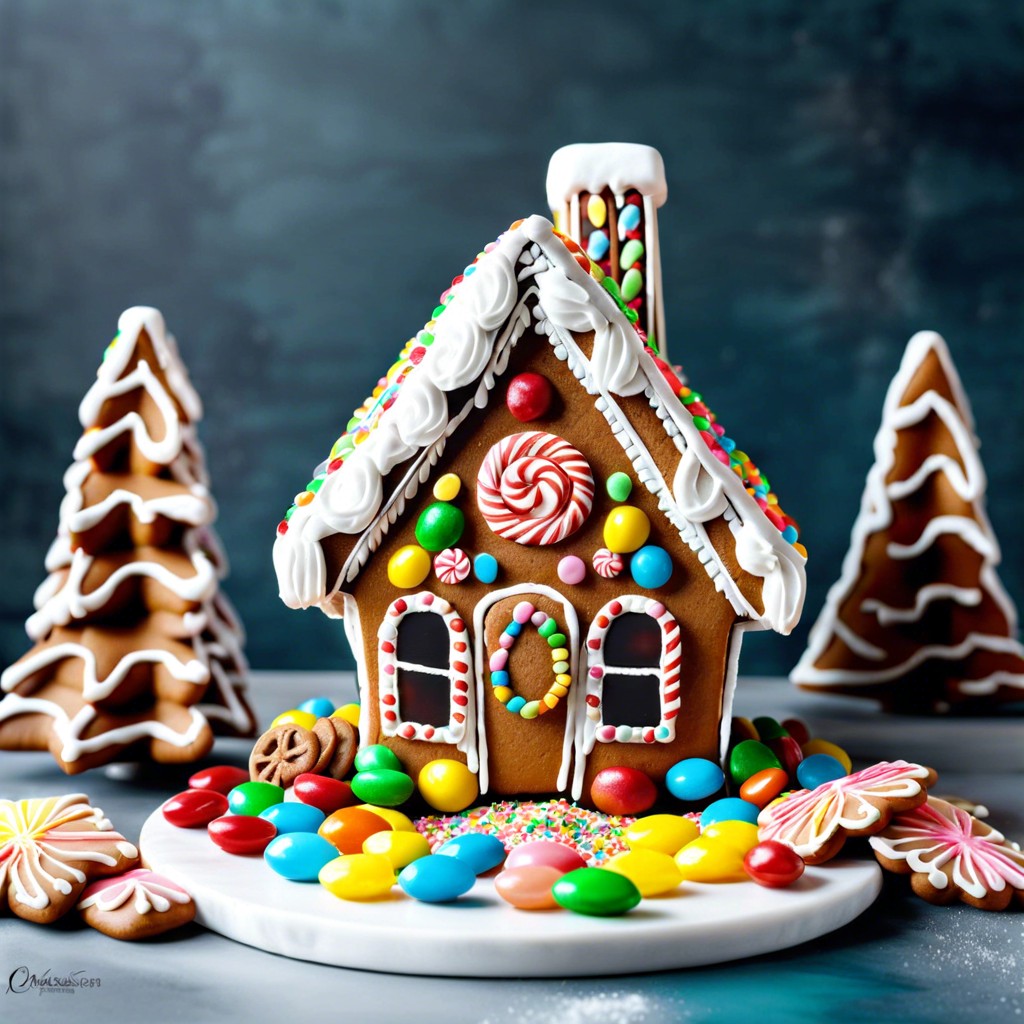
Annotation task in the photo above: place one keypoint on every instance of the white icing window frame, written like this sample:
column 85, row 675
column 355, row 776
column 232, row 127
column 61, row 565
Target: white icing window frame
column 668, row 671
column 459, row 672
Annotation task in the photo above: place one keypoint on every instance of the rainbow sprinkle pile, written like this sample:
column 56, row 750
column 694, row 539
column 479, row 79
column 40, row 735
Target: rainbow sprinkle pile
column 366, row 418
column 593, row 835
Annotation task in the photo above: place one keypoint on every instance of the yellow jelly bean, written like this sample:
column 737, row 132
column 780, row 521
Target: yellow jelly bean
column 401, row 848
column 408, row 566
column 396, row 819
column 504, row 693
column 358, row 876
column 652, row 872
column 447, row 785
column 666, row 833
column 447, row 487
column 704, row 860
column 740, row 836
column 350, row 712
column 294, row 717
column 563, row 680
column 560, row 654
column 626, row 529
column 824, row 747
column 597, row 211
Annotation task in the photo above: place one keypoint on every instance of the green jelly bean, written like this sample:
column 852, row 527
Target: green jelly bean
column 252, row 798
column 376, row 755
column 548, row 629
column 440, row 526
column 748, row 758
column 383, row 787
column 596, row 892
column 768, row 728
column 632, row 251
column 556, row 640
column 632, row 284
column 619, row 487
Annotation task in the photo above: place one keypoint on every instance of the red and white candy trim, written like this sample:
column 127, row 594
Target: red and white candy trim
column 669, row 669
column 607, row 563
column 459, row 672
column 452, row 565
column 535, row 488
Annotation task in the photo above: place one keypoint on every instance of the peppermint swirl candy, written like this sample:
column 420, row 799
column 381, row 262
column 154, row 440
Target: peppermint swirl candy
column 607, row 563
column 535, row 488
column 451, row 565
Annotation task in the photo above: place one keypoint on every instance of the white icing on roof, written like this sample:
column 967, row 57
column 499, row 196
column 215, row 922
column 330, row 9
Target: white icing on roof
column 591, row 167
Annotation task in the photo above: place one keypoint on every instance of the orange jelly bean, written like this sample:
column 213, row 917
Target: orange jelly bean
column 350, row 827
column 764, row 786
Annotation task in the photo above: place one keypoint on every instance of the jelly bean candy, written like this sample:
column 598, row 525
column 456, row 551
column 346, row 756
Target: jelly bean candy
column 447, row 487
column 528, row 887
column 253, row 797
column 797, row 729
column 651, row 567
column 318, row 707
column 358, row 876
column 377, row 756
column 383, row 787
column 694, row 779
column 824, row 747
column 596, row 892
column 293, row 816
column 768, row 728
column 329, row 795
column 408, row 566
column 705, row 860
column 741, row 836
column 436, row 879
column 773, row 865
column 818, row 769
column 241, row 834
column 626, row 529
column 195, row 808
column 764, row 786
column 481, row 852
column 748, row 758
column 396, row 819
column 621, row 790
column 299, row 856
column 788, row 751
column 294, row 717
column 350, row 827
column 742, row 729
column 545, row 853
column 665, row 833
column 447, row 785
column 400, row 848
column 222, row 778
column 653, row 873
column 440, row 526
column 729, row 808
column 350, row 712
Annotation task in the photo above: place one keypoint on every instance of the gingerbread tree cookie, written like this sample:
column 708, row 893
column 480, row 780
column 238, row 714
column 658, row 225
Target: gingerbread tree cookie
column 919, row 619
column 137, row 653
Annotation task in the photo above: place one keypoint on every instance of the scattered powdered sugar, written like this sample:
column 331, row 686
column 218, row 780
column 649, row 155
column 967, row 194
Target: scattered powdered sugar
column 607, row 1007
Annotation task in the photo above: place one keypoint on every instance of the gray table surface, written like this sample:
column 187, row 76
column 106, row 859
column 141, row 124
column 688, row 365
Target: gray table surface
column 901, row 961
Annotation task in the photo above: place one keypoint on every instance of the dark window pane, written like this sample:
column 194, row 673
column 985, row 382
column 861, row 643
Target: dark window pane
column 631, row 700
column 633, row 641
column 423, row 640
column 423, row 697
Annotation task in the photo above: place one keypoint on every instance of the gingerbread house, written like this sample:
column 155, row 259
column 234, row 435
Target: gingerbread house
column 543, row 546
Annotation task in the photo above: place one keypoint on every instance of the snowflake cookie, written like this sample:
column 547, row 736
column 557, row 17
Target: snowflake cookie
column 50, row 848
column 951, row 855
column 816, row 822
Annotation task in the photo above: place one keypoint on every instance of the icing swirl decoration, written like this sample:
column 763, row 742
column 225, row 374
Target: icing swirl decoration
column 143, row 889
column 535, row 488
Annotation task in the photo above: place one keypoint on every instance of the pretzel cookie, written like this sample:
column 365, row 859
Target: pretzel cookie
column 282, row 754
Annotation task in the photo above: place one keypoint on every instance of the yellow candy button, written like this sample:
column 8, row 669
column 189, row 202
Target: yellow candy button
column 626, row 529
column 408, row 566
column 294, row 717
column 447, row 487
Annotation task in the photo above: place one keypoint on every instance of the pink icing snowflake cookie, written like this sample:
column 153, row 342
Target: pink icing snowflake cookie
column 136, row 905
column 815, row 823
column 951, row 855
column 50, row 848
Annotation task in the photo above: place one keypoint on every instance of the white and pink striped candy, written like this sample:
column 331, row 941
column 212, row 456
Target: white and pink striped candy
column 451, row 565
column 535, row 488
column 607, row 563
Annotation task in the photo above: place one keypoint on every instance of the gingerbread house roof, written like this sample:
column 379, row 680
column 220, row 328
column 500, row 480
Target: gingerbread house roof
column 451, row 366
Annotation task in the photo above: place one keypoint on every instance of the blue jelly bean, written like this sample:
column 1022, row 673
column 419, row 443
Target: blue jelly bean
column 651, row 567
column 629, row 218
column 597, row 245
column 515, row 704
column 294, row 816
column 479, row 851
column 514, row 628
column 817, row 769
column 694, row 779
column 319, row 706
column 500, row 678
column 299, row 856
column 790, row 535
column 485, row 568
column 729, row 808
column 436, row 879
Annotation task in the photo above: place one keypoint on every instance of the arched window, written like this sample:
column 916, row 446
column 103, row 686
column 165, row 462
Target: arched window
column 424, row 671
column 633, row 665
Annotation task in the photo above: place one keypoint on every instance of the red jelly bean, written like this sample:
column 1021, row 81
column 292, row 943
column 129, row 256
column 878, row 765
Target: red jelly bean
column 797, row 729
column 328, row 794
column 195, row 808
column 222, row 778
column 788, row 751
column 242, row 833
column 622, row 790
column 773, row 865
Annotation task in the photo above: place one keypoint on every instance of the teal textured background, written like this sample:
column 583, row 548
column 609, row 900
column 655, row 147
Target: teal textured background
column 293, row 184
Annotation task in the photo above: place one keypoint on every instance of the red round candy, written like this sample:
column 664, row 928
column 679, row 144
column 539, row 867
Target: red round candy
column 221, row 778
column 773, row 865
column 797, row 729
column 321, row 791
column 528, row 397
column 195, row 808
column 242, row 833
column 788, row 751
column 623, row 790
